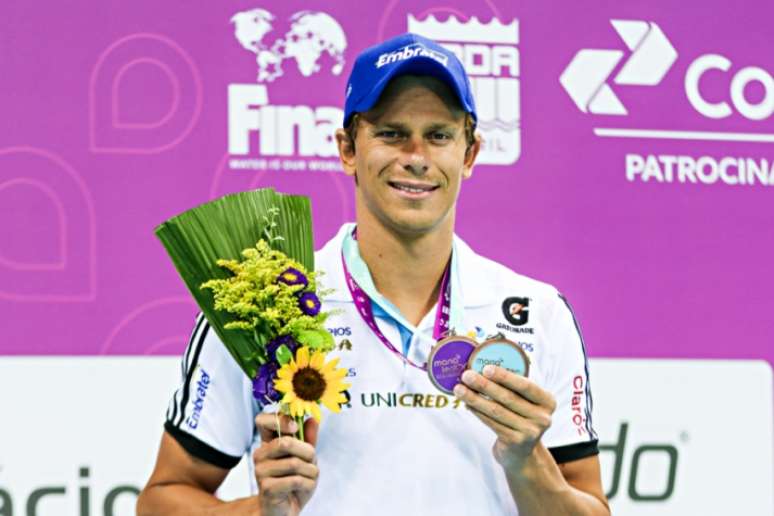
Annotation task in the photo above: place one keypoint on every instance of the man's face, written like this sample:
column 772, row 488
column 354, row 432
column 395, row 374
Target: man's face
column 410, row 157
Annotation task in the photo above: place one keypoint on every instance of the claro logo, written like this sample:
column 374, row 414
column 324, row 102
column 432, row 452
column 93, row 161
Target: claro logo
column 40, row 501
column 633, row 461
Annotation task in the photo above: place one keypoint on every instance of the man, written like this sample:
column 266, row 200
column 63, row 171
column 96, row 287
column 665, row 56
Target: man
column 504, row 444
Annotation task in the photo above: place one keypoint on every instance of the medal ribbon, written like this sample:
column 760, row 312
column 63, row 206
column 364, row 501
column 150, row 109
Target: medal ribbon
column 364, row 308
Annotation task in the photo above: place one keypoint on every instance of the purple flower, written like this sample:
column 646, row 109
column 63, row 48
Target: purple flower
column 263, row 384
column 273, row 346
column 309, row 303
column 293, row 276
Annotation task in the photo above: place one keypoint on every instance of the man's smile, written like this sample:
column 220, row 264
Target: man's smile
column 413, row 189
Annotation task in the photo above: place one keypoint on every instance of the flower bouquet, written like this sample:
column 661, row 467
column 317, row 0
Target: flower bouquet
column 248, row 260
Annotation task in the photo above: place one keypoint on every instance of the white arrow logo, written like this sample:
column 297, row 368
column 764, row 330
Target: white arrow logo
column 585, row 78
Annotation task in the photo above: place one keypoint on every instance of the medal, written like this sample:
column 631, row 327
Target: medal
column 448, row 360
column 499, row 352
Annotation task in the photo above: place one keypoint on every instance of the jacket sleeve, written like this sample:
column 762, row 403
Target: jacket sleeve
column 212, row 413
column 571, row 435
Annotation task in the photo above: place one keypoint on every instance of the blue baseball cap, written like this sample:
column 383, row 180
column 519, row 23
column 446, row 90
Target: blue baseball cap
column 406, row 54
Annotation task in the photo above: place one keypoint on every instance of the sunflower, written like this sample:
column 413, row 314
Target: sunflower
column 306, row 382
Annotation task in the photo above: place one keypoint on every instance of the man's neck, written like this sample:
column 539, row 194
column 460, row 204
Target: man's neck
column 406, row 270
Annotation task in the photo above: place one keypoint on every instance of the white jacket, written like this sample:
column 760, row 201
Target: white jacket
column 401, row 446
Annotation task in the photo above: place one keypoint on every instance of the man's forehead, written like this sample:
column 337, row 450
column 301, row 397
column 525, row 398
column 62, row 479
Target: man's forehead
column 405, row 120
column 406, row 87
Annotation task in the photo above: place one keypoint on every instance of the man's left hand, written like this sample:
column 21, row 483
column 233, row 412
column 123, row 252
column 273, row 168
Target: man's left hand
column 514, row 407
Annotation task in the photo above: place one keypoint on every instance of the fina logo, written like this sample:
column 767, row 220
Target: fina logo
column 311, row 34
column 585, row 78
column 257, row 127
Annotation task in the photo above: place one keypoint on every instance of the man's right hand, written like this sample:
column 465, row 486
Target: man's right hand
column 285, row 467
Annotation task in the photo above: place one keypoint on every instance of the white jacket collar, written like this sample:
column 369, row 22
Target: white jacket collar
column 474, row 286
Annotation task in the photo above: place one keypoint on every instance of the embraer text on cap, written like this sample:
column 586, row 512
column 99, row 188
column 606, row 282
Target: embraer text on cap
column 409, row 51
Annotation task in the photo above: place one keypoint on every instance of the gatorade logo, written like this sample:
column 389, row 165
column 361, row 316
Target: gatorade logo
column 516, row 310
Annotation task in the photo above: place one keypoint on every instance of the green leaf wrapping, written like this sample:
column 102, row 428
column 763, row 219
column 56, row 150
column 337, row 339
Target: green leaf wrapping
column 222, row 228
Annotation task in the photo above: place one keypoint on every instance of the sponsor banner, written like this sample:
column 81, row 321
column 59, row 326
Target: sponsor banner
column 741, row 112
column 80, row 435
column 627, row 157
column 685, row 437
column 491, row 57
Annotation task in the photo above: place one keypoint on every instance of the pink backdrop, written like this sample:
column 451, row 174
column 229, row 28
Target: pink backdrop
column 116, row 116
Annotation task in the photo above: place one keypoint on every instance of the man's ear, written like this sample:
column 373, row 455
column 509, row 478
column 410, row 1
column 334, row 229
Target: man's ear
column 471, row 153
column 346, row 151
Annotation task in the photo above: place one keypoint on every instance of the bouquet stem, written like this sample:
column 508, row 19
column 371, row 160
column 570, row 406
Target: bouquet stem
column 300, row 423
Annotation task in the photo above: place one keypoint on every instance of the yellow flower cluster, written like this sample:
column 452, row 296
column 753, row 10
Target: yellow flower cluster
column 257, row 300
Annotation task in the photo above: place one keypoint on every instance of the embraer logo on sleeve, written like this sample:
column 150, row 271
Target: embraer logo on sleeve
column 198, row 405
column 516, row 310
